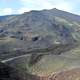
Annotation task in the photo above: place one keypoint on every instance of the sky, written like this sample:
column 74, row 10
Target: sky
column 8, row 7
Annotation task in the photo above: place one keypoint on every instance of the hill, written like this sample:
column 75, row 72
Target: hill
column 40, row 42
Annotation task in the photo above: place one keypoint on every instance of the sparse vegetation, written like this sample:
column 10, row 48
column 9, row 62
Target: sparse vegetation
column 41, row 43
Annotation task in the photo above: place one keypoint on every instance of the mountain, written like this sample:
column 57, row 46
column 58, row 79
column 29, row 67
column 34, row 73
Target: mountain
column 39, row 29
column 40, row 42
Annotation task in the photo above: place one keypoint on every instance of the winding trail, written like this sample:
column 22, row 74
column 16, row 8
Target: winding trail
column 10, row 59
column 57, row 50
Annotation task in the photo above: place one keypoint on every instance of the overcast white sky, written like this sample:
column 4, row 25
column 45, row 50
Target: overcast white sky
column 8, row 7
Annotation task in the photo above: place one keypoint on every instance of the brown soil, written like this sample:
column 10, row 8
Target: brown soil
column 73, row 74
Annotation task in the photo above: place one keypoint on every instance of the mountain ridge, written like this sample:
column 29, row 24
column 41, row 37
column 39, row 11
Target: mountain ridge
column 50, row 39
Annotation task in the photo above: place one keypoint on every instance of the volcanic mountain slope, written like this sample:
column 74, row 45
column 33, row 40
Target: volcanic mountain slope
column 44, row 65
column 37, row 30
column 40, row 42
